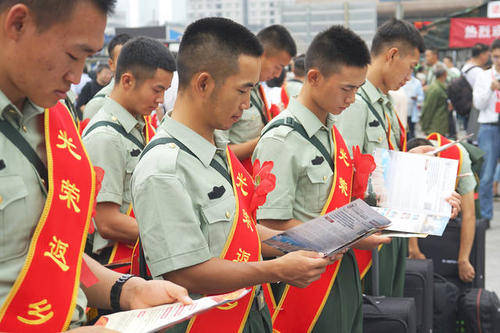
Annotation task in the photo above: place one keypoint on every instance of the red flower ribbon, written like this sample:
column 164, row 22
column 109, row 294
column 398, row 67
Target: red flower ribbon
column 364, row 164
column 264, row 182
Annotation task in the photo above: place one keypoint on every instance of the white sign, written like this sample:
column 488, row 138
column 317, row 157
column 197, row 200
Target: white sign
column 494, row 9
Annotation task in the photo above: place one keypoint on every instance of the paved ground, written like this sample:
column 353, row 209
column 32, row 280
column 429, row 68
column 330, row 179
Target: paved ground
column 493, row 252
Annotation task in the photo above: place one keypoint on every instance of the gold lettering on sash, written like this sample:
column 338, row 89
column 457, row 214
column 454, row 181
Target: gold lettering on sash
column 57, row 252
column 67, row 143
column 242, row 181
column 343, row 157
column 41, row 311
column 71, row 194
column 247, row 220
column 242, row 256
column 343, row 186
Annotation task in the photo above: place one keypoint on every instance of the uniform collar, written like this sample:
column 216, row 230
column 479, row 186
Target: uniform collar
column 308, row 119
column 122, row 116
column 376, row 95
column 203, row 149
column 10, row 111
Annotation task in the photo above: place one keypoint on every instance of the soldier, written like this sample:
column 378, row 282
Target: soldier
column 116, row 136
column 191, row 195
column 314, row 174
column 47, row 184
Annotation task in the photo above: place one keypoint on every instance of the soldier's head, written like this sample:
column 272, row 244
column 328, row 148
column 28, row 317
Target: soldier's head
column 395, row 51
column 495, row 53
column 218, row 64
column 144, row 71
column 336, row 63
column 431, row 56
column 279, row 48
column 299, row 66
column 44, row 44
column 481, row 53
column 114, row 48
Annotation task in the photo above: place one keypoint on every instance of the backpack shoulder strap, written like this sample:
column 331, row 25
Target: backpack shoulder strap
column 119, row 128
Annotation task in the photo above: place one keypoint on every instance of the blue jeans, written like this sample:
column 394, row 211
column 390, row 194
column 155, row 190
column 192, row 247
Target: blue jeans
column 489, row 142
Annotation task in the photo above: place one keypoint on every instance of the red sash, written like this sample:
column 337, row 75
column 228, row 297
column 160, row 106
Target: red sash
column 242, row 245
column 453, row 152
column 402, row 138
column 43, row 297
column 122, row 253
column 299, row 309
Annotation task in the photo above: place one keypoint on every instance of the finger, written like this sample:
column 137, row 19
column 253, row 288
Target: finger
column 179, row 293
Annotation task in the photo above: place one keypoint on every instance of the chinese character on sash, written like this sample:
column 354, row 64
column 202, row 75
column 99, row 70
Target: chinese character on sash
column 343, row 186
column 242, row 256
column 247, row 220
column 41, row 312
column 57, row 252
column 67, row 143
column 71, row 194
column 343, row 156
column 240, row 182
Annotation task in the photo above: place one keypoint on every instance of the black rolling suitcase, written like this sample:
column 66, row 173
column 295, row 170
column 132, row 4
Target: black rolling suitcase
column 419, row 278
column 389, row 314
column 480, row 311
column 444, row 253
column 445, row 305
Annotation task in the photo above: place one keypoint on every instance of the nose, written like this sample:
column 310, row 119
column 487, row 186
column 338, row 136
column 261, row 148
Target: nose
column 246, row 103
column 351, row 97
column 160, row 98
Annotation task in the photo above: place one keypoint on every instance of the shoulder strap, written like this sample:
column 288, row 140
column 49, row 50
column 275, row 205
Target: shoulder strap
column 99, row 95
column 20, row 142
column 214, row 164
column 290, row 122
column 262, row 115
column 119, row 128
column 468, row 69
column 373, row 111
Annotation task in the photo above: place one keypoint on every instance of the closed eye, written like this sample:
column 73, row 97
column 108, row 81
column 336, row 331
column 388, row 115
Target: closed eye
column 72, row 57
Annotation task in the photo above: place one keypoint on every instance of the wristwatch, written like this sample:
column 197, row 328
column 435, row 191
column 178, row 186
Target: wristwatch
column 116, row 291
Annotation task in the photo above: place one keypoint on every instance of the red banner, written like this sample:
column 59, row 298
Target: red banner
column 465, row 32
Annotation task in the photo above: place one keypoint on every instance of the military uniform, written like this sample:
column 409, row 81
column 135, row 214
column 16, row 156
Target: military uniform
column 303, row 183
column 96, row 103
column 183, row 221
column 22, row 197
column 116, row 155
column 360, row 127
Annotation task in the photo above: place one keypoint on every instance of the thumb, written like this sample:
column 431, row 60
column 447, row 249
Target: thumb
column 179, row 294
column 311, row 254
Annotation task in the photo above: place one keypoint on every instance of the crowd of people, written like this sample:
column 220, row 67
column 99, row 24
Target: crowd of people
column 172, row 169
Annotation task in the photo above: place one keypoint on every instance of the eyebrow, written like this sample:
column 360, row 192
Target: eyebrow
column 249, row 85
column 88, row 49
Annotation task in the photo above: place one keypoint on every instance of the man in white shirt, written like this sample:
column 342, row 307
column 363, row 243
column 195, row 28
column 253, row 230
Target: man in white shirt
column 480, row 56
column 486, row 98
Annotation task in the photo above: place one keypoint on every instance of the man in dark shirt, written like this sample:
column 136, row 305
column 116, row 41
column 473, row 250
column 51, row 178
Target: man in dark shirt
column 103, row 76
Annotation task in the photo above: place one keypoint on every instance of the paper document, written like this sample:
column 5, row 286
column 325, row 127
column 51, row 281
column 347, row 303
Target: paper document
column 163, row 316
column 410, row 190
column 333, row 232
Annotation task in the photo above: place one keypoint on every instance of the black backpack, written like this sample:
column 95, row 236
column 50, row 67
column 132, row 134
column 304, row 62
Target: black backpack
column 460, row 94
column 480, row 310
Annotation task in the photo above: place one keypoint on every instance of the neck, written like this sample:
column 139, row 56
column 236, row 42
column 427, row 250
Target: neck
column 10, row 90
column 191, row 113
column 120, row 97
column 376, row 77
column 305, row 98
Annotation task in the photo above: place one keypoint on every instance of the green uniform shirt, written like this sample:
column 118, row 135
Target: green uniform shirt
column 435, row 110
column 22, row 197
column 116, row 154
column 302, row 189
column 360, row 127
column 250, row 124
column 96, row 103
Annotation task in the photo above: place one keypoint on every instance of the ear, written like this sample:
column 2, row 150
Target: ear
column 203, row 83
column 16, row 21
column 128, row 81
column 111, row 65
column 391, row 54
column 314, row 77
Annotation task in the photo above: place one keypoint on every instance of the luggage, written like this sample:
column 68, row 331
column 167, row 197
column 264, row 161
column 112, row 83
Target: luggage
column 445, row 305
column 389, row 314
column 419, row 278
column 480, row 311
column 444, row 253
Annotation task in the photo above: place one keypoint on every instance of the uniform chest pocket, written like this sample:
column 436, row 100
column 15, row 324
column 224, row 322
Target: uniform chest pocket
column 218, row 216
column 376, row 135
column 14, row 232
column 315, row 186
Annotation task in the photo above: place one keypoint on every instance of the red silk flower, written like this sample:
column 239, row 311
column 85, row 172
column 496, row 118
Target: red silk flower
column 99, row 175
column 364, row 164
column 264, row 182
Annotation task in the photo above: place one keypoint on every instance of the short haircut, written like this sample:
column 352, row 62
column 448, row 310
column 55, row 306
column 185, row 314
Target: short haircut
column 299, row 65
column 478, row 49
column 335, row 47
column 277, row 38
column 49, row 12
column 495, row 44
column 395, row 32
column 448, row 57
column 119, row 39
column 142, row 56
column 100, row 67
column 214, row 45
column 433, row 50
column 440, row 70
column 417, row 142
